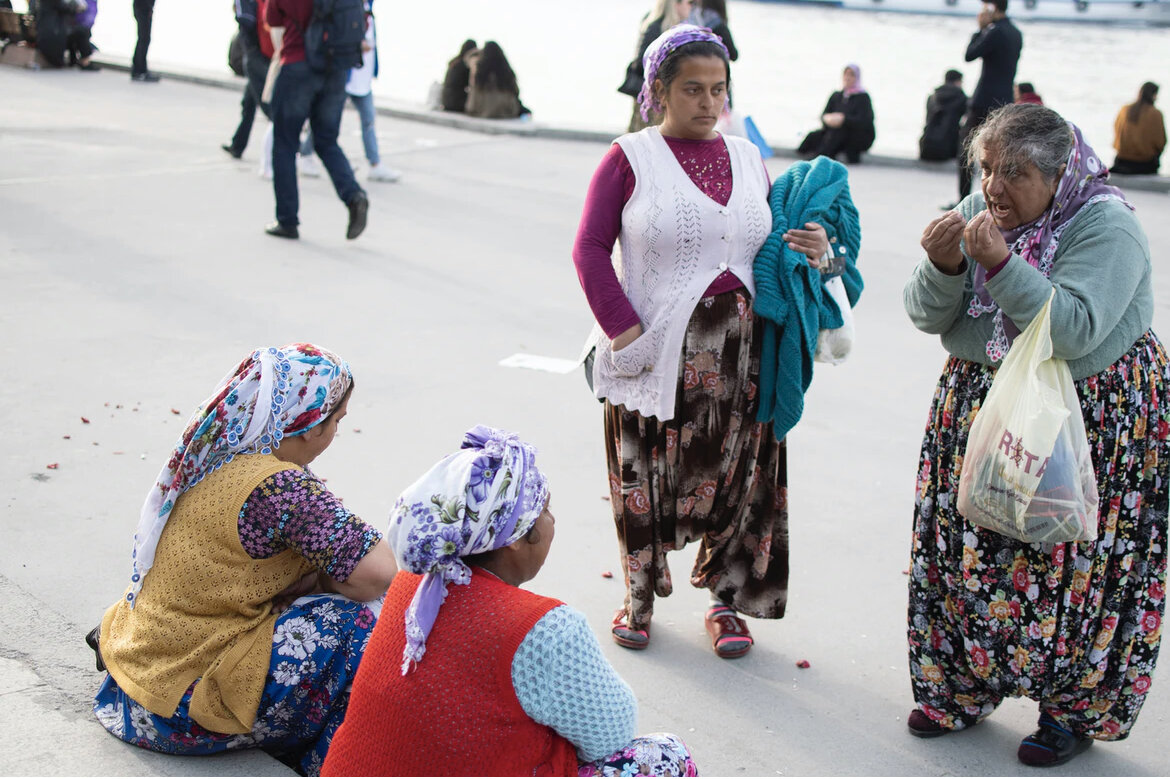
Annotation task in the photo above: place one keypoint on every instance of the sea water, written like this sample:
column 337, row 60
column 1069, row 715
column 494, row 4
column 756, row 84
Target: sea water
column 570, row 57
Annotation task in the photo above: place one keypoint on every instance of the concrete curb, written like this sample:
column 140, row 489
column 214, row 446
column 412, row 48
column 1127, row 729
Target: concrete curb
column 416, row 113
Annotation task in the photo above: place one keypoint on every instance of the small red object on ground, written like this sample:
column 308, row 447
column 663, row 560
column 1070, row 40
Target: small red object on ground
column 52, row 466
column 607, row 574
column 84, row 421
column 802, row 664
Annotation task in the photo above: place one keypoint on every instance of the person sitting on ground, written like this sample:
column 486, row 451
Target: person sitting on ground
column 455, row 83
column 59, row 34
column 1024, row 92
column 1139, row 134
column 847, row 123
column 944, row 109
column 211, row 646
column 492, row 91
column 467, row 674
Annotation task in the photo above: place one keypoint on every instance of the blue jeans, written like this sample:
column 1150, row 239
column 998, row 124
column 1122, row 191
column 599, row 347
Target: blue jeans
column 301, row 93
column 365, row 108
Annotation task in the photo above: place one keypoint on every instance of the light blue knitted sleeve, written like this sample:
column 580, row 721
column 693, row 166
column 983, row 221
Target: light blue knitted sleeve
column 564, row 681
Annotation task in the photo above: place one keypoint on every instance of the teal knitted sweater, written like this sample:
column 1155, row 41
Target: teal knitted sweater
column 790, row 294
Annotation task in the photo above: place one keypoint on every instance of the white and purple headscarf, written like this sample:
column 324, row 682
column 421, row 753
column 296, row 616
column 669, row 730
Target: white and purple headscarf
column 659, row 50
column 483, row 497
column 857, row 88
column 271, row 395
column 1084, row 181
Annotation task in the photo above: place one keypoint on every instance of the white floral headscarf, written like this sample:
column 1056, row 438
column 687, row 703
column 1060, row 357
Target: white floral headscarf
column 483, row 497
column 271, row 395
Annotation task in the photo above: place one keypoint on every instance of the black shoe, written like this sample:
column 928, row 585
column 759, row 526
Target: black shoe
column 91, row 638
column 358, row 205
column 282, row 231
column 90, row 66
column 147, row 77
column 228, row 148
column 1051, row 744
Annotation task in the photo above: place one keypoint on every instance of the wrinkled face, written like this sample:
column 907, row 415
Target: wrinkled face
column 692, row 105
column 1014, row 197
column 849, row 78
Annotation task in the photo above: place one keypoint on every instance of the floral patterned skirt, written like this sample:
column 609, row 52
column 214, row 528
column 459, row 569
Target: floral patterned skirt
column 659, row 754
column 316, row 646
column 1075, row 626
column 712, row 474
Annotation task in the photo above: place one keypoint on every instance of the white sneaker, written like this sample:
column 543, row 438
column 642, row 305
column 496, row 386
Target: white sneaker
column 380, row 172
column 307, row 166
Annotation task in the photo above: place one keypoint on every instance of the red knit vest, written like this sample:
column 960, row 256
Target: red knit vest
column 456, row 713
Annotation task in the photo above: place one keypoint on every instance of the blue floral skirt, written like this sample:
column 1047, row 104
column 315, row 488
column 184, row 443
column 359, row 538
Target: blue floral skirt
column 316, row 646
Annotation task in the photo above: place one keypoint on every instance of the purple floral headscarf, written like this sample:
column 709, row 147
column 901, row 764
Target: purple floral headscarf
column 1085, row 181
column 659, row 50
column 483, row 497
column 271, row 395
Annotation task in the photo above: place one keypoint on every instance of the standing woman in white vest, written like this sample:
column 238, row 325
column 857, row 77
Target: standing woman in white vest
column 677, row 349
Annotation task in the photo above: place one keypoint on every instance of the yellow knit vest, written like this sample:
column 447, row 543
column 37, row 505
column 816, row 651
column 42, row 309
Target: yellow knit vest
column 205, row 608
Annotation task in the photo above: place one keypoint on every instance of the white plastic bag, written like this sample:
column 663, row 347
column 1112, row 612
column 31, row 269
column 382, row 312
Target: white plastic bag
column 1027, row 473
column 833, row 345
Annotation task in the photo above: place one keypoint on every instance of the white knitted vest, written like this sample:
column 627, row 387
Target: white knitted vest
column 675, row 241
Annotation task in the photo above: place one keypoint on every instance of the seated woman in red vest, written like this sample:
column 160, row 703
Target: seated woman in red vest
column 452, row 672
column 210, row 648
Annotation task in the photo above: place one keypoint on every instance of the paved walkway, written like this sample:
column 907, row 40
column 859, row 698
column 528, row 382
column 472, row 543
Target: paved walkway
column 134, row 271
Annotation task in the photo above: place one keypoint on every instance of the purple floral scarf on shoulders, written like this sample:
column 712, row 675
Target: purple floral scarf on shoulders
column 1084, row 182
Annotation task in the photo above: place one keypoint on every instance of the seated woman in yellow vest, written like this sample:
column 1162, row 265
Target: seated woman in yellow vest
column 469, row 675
column 211, row 647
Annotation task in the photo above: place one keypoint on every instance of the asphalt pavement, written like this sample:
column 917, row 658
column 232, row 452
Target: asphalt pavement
column 134, row 272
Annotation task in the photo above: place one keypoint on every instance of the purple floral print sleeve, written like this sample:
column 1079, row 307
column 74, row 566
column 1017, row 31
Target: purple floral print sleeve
column 294, row 510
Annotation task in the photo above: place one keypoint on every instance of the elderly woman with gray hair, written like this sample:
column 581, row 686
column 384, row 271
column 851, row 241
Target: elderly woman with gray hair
column 466, row 674
column 1074, row 626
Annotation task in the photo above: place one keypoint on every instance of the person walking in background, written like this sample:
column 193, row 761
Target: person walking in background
column 302, row 93
column 457, row 79
column 1024, row 92
column 257, row 47
column 998, row 43
column 664, row 15
column 360, row 88
column 1139, row 134
column 944, row 110
column 847, row 123
column 143, row 17
column 1074, row 626
column 712, row 14
column 677, row 350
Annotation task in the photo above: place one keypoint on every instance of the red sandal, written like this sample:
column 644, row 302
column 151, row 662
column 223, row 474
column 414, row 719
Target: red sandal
column 623, row 635
column 730, row 636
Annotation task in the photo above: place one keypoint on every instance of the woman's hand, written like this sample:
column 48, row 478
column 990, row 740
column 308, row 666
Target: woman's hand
column 834, row 119
column 812, row 242
column 941, row 239
column 984, row 241
column 306, row 585
column 626, row 337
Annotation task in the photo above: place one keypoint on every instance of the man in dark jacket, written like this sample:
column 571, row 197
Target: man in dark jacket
column 944, row 110
column 302, row 93
column 998, row 43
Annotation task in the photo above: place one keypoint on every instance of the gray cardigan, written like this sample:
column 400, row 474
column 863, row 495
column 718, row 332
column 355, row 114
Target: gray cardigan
column 1103, row 304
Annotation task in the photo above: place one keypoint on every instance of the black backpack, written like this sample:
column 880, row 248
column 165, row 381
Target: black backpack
column 334, row 38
